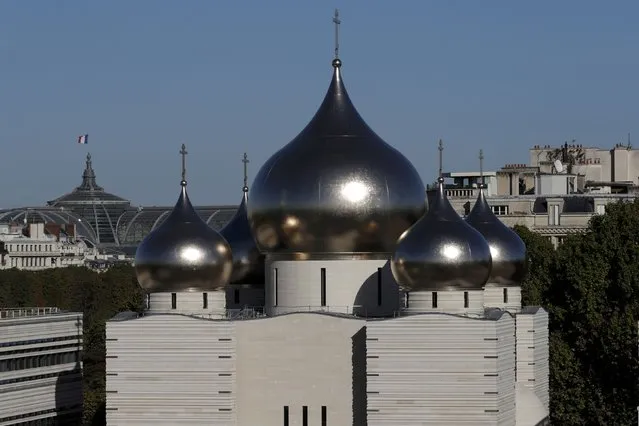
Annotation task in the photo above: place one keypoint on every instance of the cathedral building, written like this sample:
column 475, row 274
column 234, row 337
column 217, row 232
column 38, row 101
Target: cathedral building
column 374, row 308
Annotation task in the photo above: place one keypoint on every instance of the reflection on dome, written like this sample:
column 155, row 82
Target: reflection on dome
column 450, row 251
column 184, row 253
column 354, row 191
column 441, row 251
column 336, row 188
column 506, row 247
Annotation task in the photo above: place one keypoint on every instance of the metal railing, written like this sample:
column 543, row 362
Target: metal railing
column 27, row 312
column 462, row 193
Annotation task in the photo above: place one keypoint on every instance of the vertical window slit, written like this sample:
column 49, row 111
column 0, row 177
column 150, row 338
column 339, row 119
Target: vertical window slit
column 275, row 294
column 323, row 286
column 379, row 286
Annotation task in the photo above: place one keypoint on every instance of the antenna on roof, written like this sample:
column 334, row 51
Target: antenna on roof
column 183, row 154
column 245, row 160
column 337, row 22
column 481, row 168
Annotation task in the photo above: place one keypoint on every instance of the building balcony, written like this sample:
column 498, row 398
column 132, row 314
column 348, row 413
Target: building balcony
column 462, row 193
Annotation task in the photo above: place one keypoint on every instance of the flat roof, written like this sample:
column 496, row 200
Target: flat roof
column 468, row 174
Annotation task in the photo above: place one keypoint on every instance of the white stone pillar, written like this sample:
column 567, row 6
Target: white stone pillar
column 211, row 304
column 532, row 349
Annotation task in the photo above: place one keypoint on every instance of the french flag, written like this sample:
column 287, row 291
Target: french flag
column 83, row 139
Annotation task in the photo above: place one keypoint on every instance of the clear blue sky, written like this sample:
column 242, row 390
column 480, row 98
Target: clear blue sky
column 143, row 76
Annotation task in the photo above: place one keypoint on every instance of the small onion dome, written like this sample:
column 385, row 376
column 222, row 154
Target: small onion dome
column 336, row 188
column 183, row 254
column 248, row 262
column 508, row 251
column 441, row 251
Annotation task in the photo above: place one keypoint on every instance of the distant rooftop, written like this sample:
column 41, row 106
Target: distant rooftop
column 468, row 174
column 28, row 312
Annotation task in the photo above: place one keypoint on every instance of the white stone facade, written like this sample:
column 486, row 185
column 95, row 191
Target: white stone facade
column 330, row 369
column 40, row 366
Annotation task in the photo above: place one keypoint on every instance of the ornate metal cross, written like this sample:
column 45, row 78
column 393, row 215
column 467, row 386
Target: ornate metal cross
column 441, row 157
column 337, row 22
column 183, row 154
column 481, row 166
column 245, row 160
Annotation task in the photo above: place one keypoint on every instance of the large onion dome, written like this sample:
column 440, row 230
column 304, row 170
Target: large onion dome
column 248, row 262
column 183, row 254
column 508, row 251
column 441, row 251
column 336, row 188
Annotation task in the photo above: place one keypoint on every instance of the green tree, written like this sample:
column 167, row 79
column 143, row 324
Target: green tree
column 595, row 309
column 540, row 257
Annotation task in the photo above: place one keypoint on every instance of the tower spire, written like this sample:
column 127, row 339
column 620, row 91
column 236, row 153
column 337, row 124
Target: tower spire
column 481, row 168
column 441, row 158
column 183, row 153
column 245, row 160
column 337, row 23
column 88, row 177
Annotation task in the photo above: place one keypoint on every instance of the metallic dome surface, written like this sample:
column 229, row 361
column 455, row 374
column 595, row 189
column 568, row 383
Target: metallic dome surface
column 183, row 254
column 248, row 262
column 507, row 249
column 336, row 188
column 441, row 251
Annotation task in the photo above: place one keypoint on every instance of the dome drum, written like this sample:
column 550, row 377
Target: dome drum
column 348, row 286
column 209, row 304
column 336, row 188
column 503, row 297
column 455, row 301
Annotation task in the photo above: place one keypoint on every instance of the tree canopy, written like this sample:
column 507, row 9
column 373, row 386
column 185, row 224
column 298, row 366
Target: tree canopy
column 590, row 286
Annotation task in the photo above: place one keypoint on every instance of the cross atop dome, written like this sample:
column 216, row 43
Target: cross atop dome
column 482, row 184
column 183, row 153
column 337, row 23
column 245, row 160
column 440, row 176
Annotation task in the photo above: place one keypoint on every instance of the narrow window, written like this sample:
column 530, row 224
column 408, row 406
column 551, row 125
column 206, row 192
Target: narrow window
column 305, row 416
column 323, row 286
column 236, row 296
column 205, row 300
column 407, row 300
column 465, row 299
column 379, row 286
column 324, row 416
column 275, row 298
column 505, row 295
column 434, row 299
column 286, row 415
column 173, row 300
